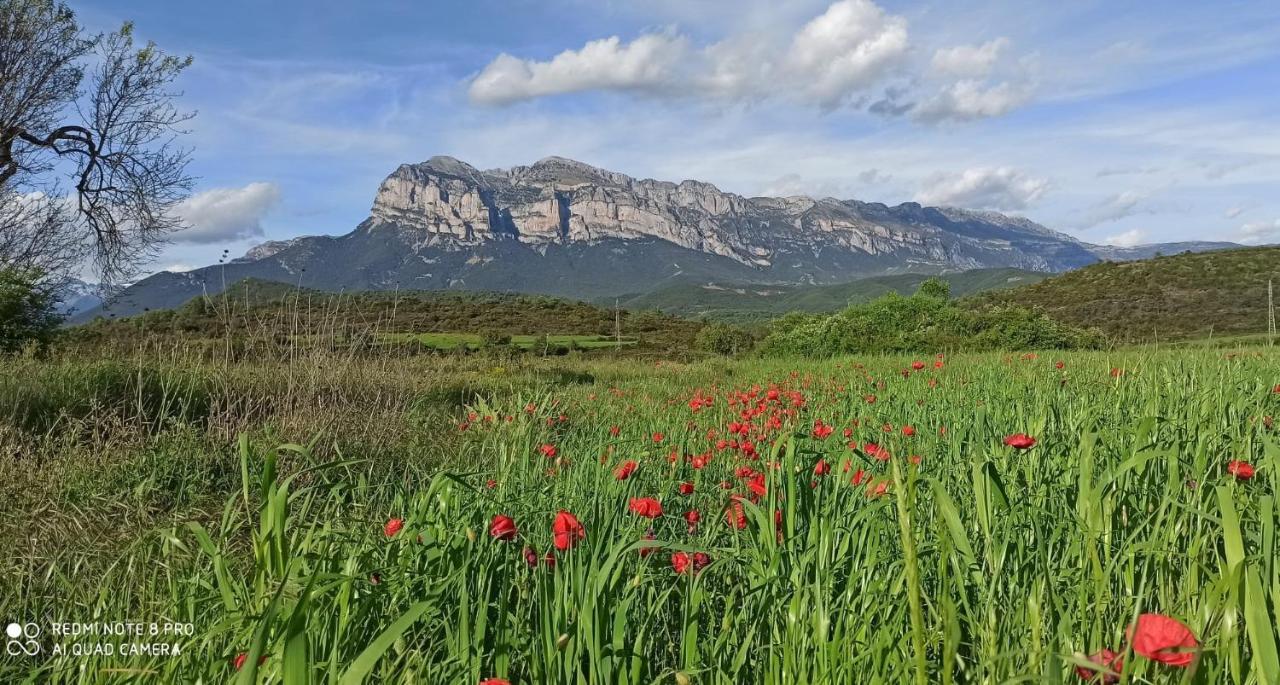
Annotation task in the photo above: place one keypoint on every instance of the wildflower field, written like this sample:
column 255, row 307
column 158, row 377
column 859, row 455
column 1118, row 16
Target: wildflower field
column 994, row 518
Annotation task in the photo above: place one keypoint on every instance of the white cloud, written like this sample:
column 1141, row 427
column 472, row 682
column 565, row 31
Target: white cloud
column 983, row 188
column 971, row 99
column 1233, row 212
column 223, row 214
column 969, row 61
column 830, row 61
column 1115, row 207
column 648, row 62
column 1260, row 232
column 179, row 268
column 846, row 49
column 1129, row 238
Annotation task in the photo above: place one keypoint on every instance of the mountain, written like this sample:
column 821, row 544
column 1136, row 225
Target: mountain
column 76, row 296
column 566, row 228
column 745, row 302
column 1180, row 296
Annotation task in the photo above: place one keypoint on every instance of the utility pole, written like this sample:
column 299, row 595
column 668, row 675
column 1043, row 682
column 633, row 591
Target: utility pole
column 1271, row 315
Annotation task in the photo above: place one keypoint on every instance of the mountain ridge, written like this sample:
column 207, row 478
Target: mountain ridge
column 562, row 227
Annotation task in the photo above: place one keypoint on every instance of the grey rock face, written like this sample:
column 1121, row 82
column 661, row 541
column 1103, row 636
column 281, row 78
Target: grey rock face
column 447, row 203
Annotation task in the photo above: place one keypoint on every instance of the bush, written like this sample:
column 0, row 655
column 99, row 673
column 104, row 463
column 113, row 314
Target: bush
column 721, row 338
column 926, row 321
column 28, row 310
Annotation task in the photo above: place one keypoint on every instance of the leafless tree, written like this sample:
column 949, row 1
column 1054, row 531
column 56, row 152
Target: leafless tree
column 95, row 115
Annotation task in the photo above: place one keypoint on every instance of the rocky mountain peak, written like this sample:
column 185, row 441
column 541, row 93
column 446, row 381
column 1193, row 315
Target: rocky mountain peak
column 563, row 227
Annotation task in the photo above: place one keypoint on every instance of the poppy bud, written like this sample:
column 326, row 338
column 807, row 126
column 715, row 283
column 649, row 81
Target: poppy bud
column 562, row 642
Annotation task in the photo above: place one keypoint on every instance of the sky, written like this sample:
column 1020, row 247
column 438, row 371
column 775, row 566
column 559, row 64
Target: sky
column 1116, row 122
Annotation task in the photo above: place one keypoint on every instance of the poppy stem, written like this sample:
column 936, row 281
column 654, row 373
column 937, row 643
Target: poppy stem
column 900, row 487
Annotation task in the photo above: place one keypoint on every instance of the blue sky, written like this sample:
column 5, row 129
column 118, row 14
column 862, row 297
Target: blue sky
column 1121, row 122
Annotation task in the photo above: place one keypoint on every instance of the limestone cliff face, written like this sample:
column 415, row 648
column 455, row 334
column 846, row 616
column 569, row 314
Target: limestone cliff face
column 446, row 203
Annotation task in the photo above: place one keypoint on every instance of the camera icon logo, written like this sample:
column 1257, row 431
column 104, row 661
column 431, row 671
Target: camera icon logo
column 21, row 639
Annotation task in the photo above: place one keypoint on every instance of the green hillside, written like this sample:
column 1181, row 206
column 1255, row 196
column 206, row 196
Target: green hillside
column 738, row 302
column 256, row 309
column 1174, row 297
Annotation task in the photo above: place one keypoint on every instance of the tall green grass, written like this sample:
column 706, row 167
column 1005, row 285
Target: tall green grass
column 980, row 563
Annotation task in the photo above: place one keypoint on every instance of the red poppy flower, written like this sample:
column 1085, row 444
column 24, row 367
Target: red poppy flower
column 647, row 507
column 491, row 484
column 625, row 469
column 495, row 681
column 821, row 468
column 658, row 437
column 700, row 561
column 1020, row 441
column 567, row 531
column 502, row 528
column 908, row 431
column 1059, row 365
column 614, row 430
column 692, row 517
column 549, row 560
column 1242, row 470
column 1276, row 389
column 1107, row 659
column 821, row 430
column 917, row 365
column 680, row 561
column 686, row 488
column 530, row 557
column 858, row 477
column 1164, row 639
column 242, row 657
column 393, row 526
column 548, row 451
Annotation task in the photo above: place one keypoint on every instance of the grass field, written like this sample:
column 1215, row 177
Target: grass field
column 858, row 520
column 449, row 341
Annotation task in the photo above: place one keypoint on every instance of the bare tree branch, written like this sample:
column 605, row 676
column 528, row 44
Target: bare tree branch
column 124, row 169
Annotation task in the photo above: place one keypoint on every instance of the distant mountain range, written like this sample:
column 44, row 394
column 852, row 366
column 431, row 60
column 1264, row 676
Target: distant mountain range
column 565, row 228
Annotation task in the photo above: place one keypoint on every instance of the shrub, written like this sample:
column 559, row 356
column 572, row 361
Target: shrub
column 28, row 312
column 721, row 338
column 925, row 321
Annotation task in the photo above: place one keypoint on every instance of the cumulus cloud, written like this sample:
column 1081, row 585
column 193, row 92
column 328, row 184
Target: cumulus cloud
column 840, row 58
column 1000, row 188
column 222, row 214
column 648, row 62
column 971, row 99
column 1129, row 238
column 846, row 49
column 1260, row 232
column 969, row 61
column 1233, row 212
